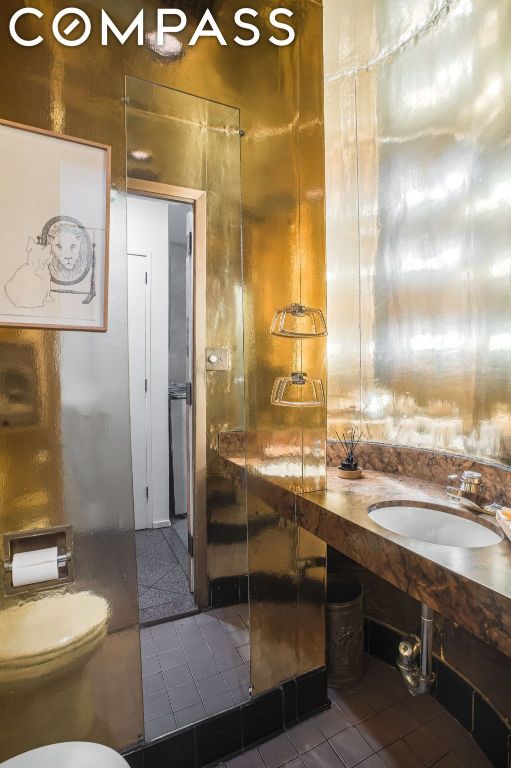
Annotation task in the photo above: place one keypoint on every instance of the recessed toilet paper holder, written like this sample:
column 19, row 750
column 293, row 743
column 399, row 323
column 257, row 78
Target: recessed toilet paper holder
column 28, row 541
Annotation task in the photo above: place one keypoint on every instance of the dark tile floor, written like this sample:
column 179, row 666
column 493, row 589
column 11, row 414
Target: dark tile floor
column 162, row 567
column 375, row 725
column 194, row 667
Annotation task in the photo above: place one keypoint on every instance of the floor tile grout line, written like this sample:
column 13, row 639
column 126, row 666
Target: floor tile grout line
column 187, row 663
column 203, row 700
column 211, row 650
column 233, row 648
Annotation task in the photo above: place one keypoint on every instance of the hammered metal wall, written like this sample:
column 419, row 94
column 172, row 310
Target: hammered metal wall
column 418, row 117
column 72, row 465
column 192, row 142
column 81, row 470
column 285, row 263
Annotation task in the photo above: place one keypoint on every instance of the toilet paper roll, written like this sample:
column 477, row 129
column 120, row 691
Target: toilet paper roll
column 35, row 567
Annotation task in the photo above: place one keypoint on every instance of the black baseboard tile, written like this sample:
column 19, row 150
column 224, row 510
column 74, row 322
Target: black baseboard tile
column 178, row 751
column 491, row 733
column 218, row 737
column 290, row 693
column 263, row 717
column 243, row 589
column 454, row 693
column 383, row 642
column 228, row 590
column 312, row 693
column 135, row 757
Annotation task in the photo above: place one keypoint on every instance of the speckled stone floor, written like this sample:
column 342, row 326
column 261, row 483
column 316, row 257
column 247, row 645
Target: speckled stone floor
column 162, row 563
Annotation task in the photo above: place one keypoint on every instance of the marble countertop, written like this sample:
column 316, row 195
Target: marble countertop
column 469, row 586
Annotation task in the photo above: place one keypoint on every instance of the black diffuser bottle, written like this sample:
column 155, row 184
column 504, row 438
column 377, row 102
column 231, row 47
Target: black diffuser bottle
column 349, row 468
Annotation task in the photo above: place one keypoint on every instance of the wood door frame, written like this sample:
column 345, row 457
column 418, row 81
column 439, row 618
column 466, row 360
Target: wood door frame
column 197, row 198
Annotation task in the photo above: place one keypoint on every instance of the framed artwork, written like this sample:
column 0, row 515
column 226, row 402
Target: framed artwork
column 54, row 230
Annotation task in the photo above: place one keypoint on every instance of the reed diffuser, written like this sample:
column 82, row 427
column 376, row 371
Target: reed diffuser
column 349, row 468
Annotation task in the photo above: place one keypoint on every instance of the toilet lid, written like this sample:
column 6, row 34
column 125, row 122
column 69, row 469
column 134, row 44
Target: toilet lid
column 37, row 631
column 73, row 754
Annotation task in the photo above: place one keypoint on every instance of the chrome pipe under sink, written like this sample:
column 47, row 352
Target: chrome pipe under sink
column 415, row 660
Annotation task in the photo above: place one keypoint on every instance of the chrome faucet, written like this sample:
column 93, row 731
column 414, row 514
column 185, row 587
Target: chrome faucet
column 467, row 489
column 468, row 492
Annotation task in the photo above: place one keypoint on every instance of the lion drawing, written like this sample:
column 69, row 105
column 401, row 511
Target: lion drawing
column 70, row 248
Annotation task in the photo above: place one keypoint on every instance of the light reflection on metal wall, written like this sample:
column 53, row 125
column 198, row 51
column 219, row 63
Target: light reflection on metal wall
column 431, row 155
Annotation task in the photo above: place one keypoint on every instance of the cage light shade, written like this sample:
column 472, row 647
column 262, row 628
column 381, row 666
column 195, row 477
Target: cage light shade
column 298, row 322
column 297, row 391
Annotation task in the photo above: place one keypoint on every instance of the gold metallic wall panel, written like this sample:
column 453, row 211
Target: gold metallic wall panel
column 433, row 164
column 287, row 445
column 311, row 598
column 311, row 552
column 273, row 585
column 311, row 237
column 73, row 465
column 30, row 438
column 87, row 480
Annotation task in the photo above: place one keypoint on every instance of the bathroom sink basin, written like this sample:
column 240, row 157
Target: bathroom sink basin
column 434, row 526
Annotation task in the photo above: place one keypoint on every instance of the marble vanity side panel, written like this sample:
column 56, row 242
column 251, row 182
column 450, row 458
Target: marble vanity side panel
column 432, row 466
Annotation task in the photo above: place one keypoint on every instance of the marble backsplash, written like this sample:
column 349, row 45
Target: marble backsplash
column 231, row 443
column 432, row 466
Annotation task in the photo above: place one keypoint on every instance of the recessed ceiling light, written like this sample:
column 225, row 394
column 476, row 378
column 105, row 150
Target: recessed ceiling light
column 140, row 154
column 171, row 47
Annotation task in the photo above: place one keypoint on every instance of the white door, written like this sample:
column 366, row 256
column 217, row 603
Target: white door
column 139, row 335
column 148, row 239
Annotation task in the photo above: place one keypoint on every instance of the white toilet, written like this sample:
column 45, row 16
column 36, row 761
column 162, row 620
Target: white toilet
column 73, row 754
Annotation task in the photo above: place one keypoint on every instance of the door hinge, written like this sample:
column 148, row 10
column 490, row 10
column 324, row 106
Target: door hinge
column 190, row 243
column 145, row 384
column 147, row 493
column 146, row 278
column 190, row 544
column 189, row 393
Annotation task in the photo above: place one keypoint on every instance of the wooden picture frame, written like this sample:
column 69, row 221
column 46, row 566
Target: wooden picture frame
column 54, row 229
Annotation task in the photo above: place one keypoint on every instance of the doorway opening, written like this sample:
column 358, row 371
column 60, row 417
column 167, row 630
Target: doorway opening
column 196, row 666
column 165, row 394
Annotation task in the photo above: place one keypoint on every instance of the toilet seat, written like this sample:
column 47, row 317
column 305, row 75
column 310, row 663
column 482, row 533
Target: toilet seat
column 43, row 636
column 72, row 754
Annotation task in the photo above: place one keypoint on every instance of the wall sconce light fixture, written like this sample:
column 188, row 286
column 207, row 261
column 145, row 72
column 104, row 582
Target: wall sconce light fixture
column 298, row 322
column 297, row 391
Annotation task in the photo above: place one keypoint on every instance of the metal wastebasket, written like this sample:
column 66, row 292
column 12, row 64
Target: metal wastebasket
column 345, row 631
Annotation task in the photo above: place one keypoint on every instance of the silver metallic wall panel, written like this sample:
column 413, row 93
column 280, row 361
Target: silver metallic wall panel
column 431, row 158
